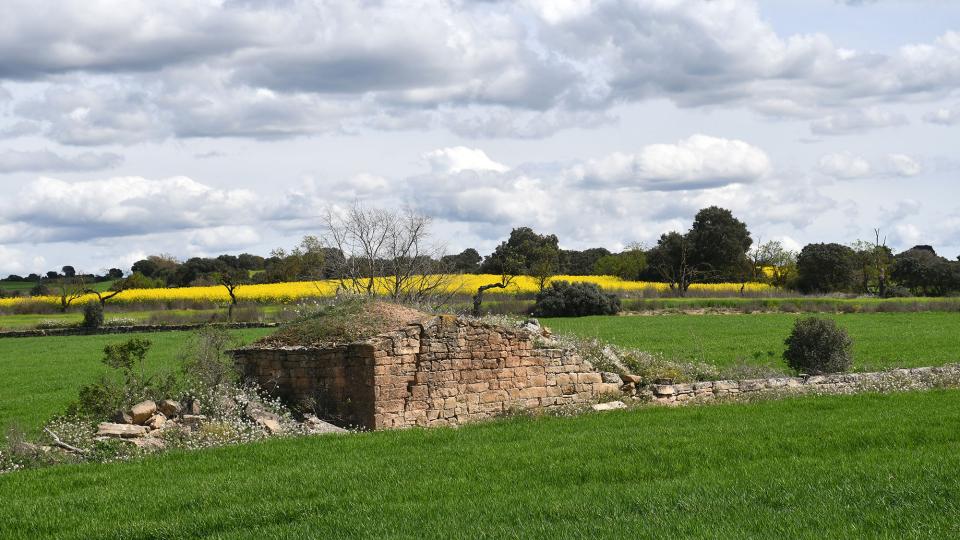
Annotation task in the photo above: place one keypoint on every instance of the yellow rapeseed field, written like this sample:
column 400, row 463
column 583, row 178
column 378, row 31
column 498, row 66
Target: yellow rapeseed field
column 283, row 293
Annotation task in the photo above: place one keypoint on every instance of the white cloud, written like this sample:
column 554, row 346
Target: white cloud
column 461, row 158
column 844, row 165
column 903, row 165
column 223, row 238
column 45, row 160
column 945, row 116
column 856, row 121
column 49, row 209
column 848, row 166
column 136, row 72
column 695, row 162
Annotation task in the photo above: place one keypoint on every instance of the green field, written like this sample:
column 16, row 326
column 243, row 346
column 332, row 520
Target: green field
column 818, row 304
column 25, row 286
column 881, row 340
column 879, row 466
column 42, row 375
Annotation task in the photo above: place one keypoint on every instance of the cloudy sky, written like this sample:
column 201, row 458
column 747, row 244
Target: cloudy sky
column 197, row 127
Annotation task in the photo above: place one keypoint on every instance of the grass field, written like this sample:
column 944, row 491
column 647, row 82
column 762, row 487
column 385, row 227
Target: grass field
column 796, row 304
column 42, row 375
column 879, row 466
column 881, row 340
column 25, row 286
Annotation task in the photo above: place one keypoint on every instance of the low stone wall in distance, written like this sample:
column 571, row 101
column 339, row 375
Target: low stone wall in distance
column 838, row 383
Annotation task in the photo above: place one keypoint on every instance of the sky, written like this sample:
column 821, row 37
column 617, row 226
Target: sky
column 200, row 127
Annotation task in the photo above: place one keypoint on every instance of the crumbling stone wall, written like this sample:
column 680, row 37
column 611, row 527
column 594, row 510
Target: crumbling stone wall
column 445, row 371
column 836, row 383
column 337, row 382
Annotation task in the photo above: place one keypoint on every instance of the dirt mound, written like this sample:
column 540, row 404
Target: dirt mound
column 343, row 322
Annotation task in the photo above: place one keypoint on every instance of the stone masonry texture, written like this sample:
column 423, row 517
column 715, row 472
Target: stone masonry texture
column 445, row 371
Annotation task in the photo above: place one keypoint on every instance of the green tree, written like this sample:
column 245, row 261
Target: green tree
column 825, row 268
column 628, row 264
column 535, row 255
column 719, row 243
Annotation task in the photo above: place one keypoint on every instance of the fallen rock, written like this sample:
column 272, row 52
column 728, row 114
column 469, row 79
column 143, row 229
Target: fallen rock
column 610, row 377
column 141, row 412
column 317, row 426
column 121, row 417
column 123, row 431
column 149, row 443
column 628, row 378
column 170, row 408
column 269, row 420
column 193, row 406
column 157, row 421
column 609, row 406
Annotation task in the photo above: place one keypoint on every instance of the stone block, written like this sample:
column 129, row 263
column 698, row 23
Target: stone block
column 141, row 412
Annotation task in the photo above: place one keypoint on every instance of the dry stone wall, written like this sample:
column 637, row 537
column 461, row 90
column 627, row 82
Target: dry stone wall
column 445, row 371
column 837, row 383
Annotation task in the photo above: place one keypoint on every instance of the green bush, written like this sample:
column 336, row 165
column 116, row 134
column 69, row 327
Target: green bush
column 564, row 299
column 92, row 315
column 126, row 385
column 818, row 346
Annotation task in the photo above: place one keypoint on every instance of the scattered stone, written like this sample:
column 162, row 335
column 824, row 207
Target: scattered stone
column 610, row 377
column 317, row 426
column 141, row 412
column 123, row 431
column 268, row 420
column 193, row 406
column 609, row 406
column 156, row 421
column 170, row 408
column 149, row 443
column 121, row 417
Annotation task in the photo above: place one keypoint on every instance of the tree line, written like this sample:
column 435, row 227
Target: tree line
column 363, row 244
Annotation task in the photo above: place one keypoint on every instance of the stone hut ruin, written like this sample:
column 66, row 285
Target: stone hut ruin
column 427, row 371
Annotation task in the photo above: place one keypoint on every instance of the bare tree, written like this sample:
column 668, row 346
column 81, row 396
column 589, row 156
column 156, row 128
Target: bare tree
column 102, row 296
column 386, row 252
column 69, row 289
column 873, row 259
column 510, row 264
column 672, row 259
column 231, row 279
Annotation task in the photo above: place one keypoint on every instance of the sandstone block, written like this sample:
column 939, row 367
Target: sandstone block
column 157, row 421
column 123, row 431
column 628, row 378
column 610, row 377
column 609, row 406
column 663, row 390
column 141, row 412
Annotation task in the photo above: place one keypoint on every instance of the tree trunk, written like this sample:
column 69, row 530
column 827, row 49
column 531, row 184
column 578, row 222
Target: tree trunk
column 478, row 298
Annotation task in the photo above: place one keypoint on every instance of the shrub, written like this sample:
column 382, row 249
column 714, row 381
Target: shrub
column 818, row 346
column 92, row 315
column 206, row 362
column 564, row 299
column 126, row 385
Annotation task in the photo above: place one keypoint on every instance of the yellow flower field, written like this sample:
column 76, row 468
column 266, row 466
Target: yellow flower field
column 282, row 293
